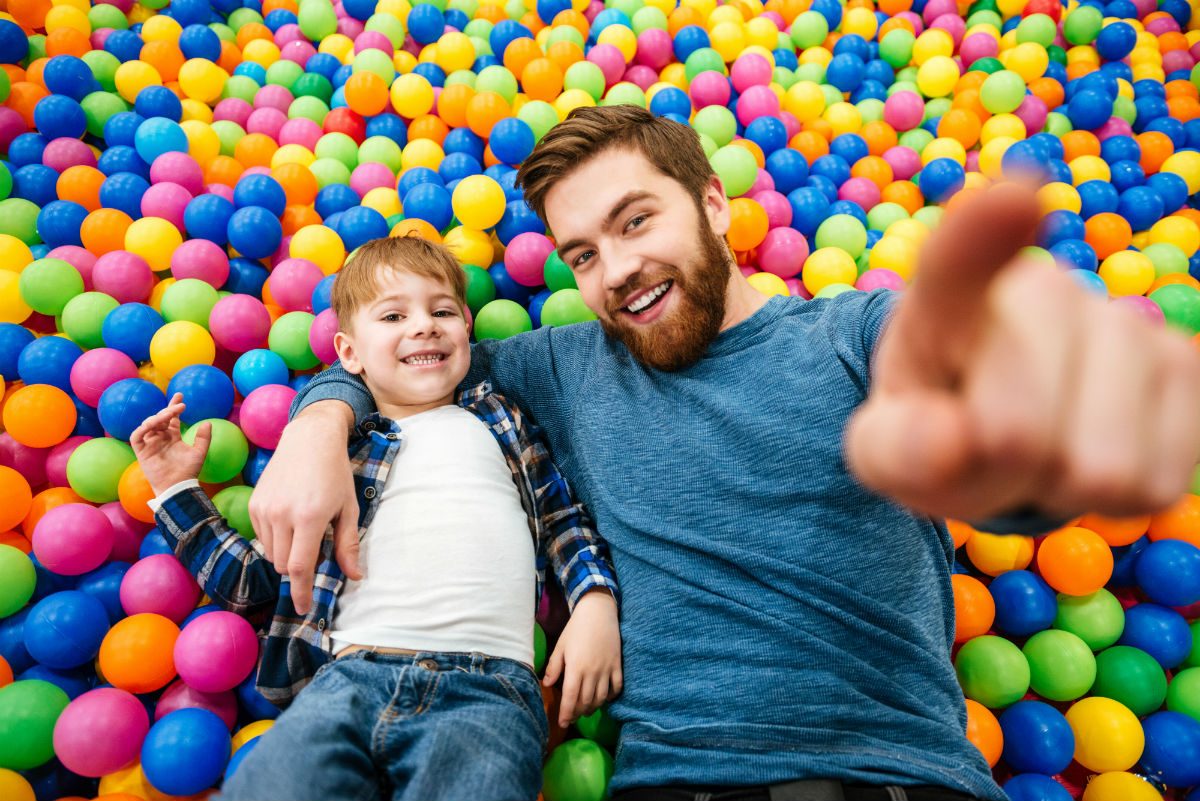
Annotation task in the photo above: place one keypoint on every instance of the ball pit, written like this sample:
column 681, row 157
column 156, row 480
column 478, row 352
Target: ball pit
column 179, row 183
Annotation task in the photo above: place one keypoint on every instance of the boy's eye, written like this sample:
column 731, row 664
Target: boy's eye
column 443, row 313
column 394, row 317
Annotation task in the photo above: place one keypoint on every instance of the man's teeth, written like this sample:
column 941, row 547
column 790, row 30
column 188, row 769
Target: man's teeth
column 427, row 359
column 645, row 300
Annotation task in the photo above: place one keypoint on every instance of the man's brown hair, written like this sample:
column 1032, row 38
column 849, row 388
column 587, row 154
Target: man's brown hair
column 674, row 149
column 357, row 282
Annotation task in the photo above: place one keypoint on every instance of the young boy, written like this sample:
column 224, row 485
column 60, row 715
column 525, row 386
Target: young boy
column 417, row 679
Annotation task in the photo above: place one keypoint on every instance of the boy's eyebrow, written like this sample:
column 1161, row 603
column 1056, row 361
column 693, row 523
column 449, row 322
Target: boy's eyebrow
column 403, row 296
column 628, row 199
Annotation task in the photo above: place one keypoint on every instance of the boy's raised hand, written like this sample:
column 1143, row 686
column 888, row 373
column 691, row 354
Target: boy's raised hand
column 587, row 657
column 163, row 455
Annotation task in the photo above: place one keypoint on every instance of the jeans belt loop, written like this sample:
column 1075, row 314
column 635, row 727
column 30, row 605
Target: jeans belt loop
column 807, row 790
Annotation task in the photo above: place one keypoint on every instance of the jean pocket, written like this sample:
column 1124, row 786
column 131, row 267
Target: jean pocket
column 511, row 688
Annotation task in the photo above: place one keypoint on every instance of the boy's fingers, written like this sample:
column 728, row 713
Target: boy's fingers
column 203, row 439
column 570, row 697
column 553, row 668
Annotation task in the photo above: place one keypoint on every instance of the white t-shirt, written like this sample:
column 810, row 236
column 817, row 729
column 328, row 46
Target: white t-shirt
column 448, row 560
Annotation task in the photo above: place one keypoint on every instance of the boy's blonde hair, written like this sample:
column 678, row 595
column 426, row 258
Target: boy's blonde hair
column 357, row 283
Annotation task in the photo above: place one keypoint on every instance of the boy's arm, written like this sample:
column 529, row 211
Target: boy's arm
column 233, row 571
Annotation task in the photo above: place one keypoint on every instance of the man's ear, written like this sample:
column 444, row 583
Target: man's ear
column 716, row 206
column 343, row 343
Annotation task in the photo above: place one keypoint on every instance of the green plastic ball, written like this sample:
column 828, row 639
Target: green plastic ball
column 703, row 59
column 539, row 648
column 501, row 319
column 499, row 80
column 992, row 671
column 1132, row 677
column 47, row 285
column 289, row 338
column 810, row 29
column 1061, row 666
column 17, row 580
column 578, row 770
column 1167, row 259
column 83, row 318
column 565, row 307
column 1180, row 304
column 1183, row 693
column 380, row 150
column 540, row 116
column 234, row 505
column 582, row 75
column 242, row 87
column 309, row 108
column 1002, row 92
column 843, row 231
column 556, row 274
column 1082, row 25
column 717, row 122
column 1037, row 28
column 317, row 19
column 339, row 146
column 189, row 299
column 284, row 73
column 881, row 216
column 226, row 455
column 28, row 712
column 835, row 289
column 98, row 108
column 312, row 84
column 625, row 94
column 18, row 217
column 481, row 289
column 1193, row 659
column 736, row 168
column 94, row 468
column 896, row 47
column 1097, row 619
column 599, row 727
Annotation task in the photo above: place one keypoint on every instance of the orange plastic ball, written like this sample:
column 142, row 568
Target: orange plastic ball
column 366, row 93
column 1075, row 561
column 1116, row 531
column 39, row 415
column 1107, row 233
column 16, row 540
column 875, row 170
column 905, row 194
column 299, row 184
column 103, row 231
column 879, row 136
column 542, row 79
column 67, row 42
column 134, row 491
column 452, row 104
column 974, row 609
column 748, row 224
column 6, row 674
column 519, row 54
column 415, row 227
column 1156, row 147
column 1180, row 521
column 1079, row 143
column 15, row 498
column 428, row 126
column 164, row 56
column 255, row 150
column 484, row 110
column 81, row 184
column 811, row 145
column 564, row 54
column 984, row 732
column 138, row 653
column 961, row 124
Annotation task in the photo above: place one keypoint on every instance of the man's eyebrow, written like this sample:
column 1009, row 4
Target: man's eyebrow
column 627, row 200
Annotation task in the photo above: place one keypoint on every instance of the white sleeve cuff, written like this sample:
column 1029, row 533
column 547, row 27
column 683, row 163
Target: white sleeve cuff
column 157, row 501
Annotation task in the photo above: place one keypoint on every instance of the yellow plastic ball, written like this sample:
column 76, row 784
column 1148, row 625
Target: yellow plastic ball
column 1011, row 8
column 134, row 76
column 336, row 45
column 384, row 200
column 1185, row 164
column 944, row 148
column 203, row 143
column 249, row 732
column 621, row 38
column 805, row 101
column 674, row 74
column 1029, row 60
column 13, row 308
column 470, row 246
column 261, row 52
column 826, row 266
column 816, row 55
column 1089, row 168
column 320, row 245
column 1127, row 272
column 930, row 44
column 724, row 14
column 478, row 202
column 843, row 118
column 1108, row 736
column 161, row 28
column 1058, row 196
column 572, row 99
column 194, row 110
column 768, row 284
column 455, row 52
column 202, row 80
column 994, row 554
column 909, row 228
column 14, row 787
column 1120, row 786
column 153, row 239
column 937, row 76
column 412, row 95
column 895, row 253
column 992, row 154
column 422, row 153
column 728, row 39
column 62, row 17
column 181, row 344
column 761, row 32
column 860, row 21
column 15, row 255
column 1008, row 126
column 293, row 154
column 1178, row 231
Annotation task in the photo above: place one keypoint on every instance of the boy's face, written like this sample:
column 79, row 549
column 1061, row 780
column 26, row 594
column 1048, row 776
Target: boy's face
column 410, row 344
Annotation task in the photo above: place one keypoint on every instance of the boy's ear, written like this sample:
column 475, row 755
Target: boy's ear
column 344, row 345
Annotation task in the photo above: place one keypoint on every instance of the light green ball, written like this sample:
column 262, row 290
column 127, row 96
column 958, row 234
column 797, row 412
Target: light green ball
column 565, row 307
column 586, row 76
column 338, row 146
column 1037, row 28
column 843, row 231
column 501, row 319
column 94, row 468
column 380, row 150
column 189, row 299
column 716, row 122
column 28, row 711
column 499, row 80
column 625, row 94
column 234, row 504
column 896, row 48
column 540, row 116
column 810, row 29
column 1002, row 92
column 1061, row 665
column 83, row 318
column 18, row 217
column 736, row 168
column 47, row 285
column 884, row 214
column 289, row 339
column 18, row 579
column 226, row 455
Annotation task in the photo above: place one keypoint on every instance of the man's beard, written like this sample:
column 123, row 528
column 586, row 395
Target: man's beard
column 680, row 340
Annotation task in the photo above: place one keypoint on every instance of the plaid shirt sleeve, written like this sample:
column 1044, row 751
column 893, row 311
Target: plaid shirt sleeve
column 233, row 571
column 578, row 554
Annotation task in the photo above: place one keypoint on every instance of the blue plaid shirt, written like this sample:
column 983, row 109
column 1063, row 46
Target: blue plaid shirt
column 238, row 576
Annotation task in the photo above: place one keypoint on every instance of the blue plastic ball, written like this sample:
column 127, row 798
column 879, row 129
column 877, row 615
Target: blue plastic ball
column 65, row 629
column 260, row 190
column 124, row 191
column 258, row 368
column 13, row 339
column 1172, row 754
column 1035, row 787
column 104, row 584
column 1161, row 632
column 159, row 135
column 207, row 392
column 1037, row 738
column 426, row 23
column 254, row 232
column 1168, row 572
column 48, row 360
column 59, row 222
column 125, row 404
column 941, row 178
column 1025, row 603
column 129, row 329
column 512, row 140
column 186, row 751
column 59, row 116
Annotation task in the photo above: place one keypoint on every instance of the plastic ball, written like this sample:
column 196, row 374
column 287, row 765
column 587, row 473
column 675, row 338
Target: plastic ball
column 1108, row 737
column 992, row 671
column 160, row 585
column 1075, row 561
column 1132, row 677
column 264, row 413
column 28, row 712
column 17, row 580
column 95, row 467
column 65, row 629
column 1061, row 665
column 125, row 404
column 100, row 732
column 73, row 539
column 577, row 769
column 186, row 751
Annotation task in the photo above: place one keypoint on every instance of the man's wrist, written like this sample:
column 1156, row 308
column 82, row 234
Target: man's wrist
column 335, row 411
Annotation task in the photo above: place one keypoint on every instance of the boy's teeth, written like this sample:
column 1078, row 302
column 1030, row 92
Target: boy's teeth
column 648, row 298
column 424, row 359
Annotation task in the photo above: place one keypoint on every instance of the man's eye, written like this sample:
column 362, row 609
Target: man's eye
column 582, row 258
column 637, row 221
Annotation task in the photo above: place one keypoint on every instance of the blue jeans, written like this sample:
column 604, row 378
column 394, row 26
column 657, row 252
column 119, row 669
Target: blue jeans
column 430, row 727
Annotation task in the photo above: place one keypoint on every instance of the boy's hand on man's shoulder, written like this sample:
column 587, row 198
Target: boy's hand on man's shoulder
column 587, row 657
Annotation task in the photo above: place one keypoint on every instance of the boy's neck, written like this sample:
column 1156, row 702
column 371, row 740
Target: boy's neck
column 398, row 411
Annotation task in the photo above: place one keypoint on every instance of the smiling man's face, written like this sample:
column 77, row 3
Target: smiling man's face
column 648, row 261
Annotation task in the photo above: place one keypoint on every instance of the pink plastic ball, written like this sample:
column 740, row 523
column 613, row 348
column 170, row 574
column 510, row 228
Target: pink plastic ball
column 372, row 40
column 790, row 122
column 654, row 48
column 371, row 176
column 1144, row 7
column 904, row 161
column 1114, row 127
column 903, row 110
column 300, row 131
column 879, row 278
column 56, row 461
column 12, row 125
column 1145, row 308
column 352, row 28
column 1177, row 60
column 159, row 584
column 29, row 462
column 297, row 52
column 642, row 76
column 755, row 102
column 977, row 46
column 1033, row 113
column 166, row 200
column 221, row 190
column 123, row 275
column 199, row 258
column 273, row 96
column 862, row 191
column 182, row 696
column 97, row 370
column 709, row 89
column 216, row 651
column 264, row 413
column 783, row 252
column 797, row 289
column 610, row 61
column 267, row 121
column 63, row 153
column 72, row 539
column 128, row 533
column 525, row 258
column 936, row 8
column 749, row 70
column 82, row 260
column 233, row 109
column 288, row 33
column 178, row 168
column 1162, row 25
column 914, row 20
column 100, row 732
column 775, row 204
column 747, row 270
column 951, row 24
column 763, row 182
column 292, row 283
column 239, row 323
column 321, row 334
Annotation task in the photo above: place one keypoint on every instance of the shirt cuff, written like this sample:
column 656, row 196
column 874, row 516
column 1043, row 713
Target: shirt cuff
column 157, row 501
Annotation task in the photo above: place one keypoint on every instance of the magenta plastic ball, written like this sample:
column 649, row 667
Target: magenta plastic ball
column 100, row 732
column 300, row 131
column 29, row 462
column 233, row 109
column 63, row 153
column 1147, row 309
column 352, row 29
column 951, row 24
column 862, row 191
column 216, row 651
column 178, row 168
column 292, row 283
column 239, row 323
column 298, row 52
column 904, row 161
column 97, row 370
column 159, row 584
column 1033, row 112
column 166, row 200
column 128, row 532
column 977, row 46
column 936, row 8
column 123, row 275
column 797, row 289
column 903, row 110
column 220, row 189
column 371, row 176
column 749, row 70
column 12, row 125
column 273, row 96
column 642, row 76
column 182, row 696
column 526, row 256
column 1114, row 127
column 264, row 413
column 321, row 334
column 286, row 34
column 790, row 122
column 763, row 182
column 879, row 278
column 775, row 204
column 783, row 252
column 609, row 59
column 72, row 539
column 755, row 102
column 654, row 48
column 266, row 120
column 82, row 260
column 199, row 258
column 710, row 89
column 56, row 461
column 372, row 40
